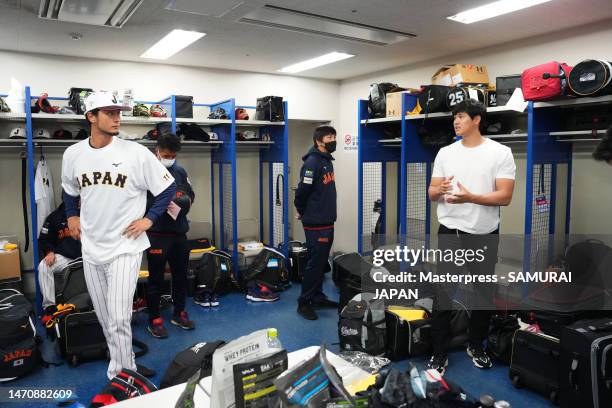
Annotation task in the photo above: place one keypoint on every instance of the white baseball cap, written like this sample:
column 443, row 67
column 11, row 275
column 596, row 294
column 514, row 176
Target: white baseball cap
column 103, row 100
column 41, row 133
column 18, row 133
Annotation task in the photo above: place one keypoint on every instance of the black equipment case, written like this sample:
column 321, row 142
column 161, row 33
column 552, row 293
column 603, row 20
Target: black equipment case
column 535, row 363
column 586, row 364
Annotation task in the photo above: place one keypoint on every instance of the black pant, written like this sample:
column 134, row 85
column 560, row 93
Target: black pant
column 482, row 296
column 172, row 249
column 318, row 244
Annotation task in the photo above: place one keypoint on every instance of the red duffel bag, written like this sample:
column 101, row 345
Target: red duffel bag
column 546, row 81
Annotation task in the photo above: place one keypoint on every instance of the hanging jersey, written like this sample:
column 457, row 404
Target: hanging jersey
column 43, row 193
column 113, row 182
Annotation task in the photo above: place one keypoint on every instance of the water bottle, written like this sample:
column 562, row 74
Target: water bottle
column 273, row 341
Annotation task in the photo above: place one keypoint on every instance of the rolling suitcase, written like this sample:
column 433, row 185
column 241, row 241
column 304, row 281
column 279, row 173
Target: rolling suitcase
column 535, row 363
column 586, row 364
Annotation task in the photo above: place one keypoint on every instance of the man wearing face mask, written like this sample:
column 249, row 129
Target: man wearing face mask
column 169, row 243
column 315, row 202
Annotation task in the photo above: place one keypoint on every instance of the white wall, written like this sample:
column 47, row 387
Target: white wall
column 569, row 46
column 307, row 98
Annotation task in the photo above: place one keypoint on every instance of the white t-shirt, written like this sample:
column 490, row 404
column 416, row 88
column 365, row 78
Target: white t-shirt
column 476, row 168
column 112, row 182
column 43, row 193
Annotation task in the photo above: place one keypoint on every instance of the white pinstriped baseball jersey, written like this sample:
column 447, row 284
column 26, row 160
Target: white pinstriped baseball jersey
column 112, row 182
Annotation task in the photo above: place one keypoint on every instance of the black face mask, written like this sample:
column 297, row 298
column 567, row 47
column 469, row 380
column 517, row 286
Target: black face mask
column 330, row 146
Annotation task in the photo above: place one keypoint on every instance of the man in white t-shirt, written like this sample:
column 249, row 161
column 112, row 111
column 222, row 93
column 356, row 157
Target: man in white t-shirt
column 112, row 177
column 471, row 179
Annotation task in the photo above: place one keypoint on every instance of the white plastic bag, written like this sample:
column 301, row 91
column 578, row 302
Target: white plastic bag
column 16, row 97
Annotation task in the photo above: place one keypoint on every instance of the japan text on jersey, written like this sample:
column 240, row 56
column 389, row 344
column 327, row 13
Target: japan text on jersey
column 96, row 177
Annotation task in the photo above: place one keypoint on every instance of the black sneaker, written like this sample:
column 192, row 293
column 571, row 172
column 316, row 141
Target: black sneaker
column 214, row 300
column 202, row 299
column 307, row 312
column 146, row 371
column 479, row 357
column 438, row 362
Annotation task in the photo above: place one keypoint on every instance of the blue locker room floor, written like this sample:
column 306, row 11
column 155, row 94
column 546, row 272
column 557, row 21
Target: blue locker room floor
column 236, row 317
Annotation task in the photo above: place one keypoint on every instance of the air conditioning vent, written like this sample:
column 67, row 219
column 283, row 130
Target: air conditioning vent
column 310, row 23
column 109, row 13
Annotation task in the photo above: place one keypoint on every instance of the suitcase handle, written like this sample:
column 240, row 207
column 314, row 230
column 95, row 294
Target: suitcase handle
column 604, row 328
column 537, row 348
column 573, row 374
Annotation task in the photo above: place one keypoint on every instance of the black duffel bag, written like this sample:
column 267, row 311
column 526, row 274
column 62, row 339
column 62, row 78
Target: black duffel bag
column 459, row 94
column 18, row 346
column 187, row 362
column 433, row 98
column 191, row 131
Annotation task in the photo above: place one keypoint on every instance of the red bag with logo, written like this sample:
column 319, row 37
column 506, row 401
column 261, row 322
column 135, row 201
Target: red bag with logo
column 546, row 81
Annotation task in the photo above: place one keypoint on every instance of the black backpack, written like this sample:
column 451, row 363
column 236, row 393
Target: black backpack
column 187, row 362
column 270, row 108
column 362, row 325
column 501, row 333
column 74, row 290
column 377, row 101
column 269, row 268
column 18, row 346
column 215, row 273
column 76, row 99
column 191, row 131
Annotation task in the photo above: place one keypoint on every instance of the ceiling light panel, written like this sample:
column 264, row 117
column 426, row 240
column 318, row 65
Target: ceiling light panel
column 315, row 62
column 173, row 42
column 494, row 9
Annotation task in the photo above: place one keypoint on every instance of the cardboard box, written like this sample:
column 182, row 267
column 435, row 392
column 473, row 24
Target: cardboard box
column 454, row 74
column 394, row 102
column 10, row 267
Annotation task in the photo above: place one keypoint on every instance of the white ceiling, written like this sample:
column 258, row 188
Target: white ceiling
column 230, row 44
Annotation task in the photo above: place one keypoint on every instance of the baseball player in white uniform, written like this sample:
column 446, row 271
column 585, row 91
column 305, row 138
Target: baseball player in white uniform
column 112, row 177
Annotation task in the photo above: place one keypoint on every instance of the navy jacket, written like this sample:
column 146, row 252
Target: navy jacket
column 315, row 197
column 55, row 236
column 165, row 224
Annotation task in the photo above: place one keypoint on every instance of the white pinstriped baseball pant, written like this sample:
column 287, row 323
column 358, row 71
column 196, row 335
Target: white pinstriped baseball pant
column 46, row 278
column 111, row 287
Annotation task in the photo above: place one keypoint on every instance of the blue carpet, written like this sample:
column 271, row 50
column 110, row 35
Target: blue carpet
column 236, row 317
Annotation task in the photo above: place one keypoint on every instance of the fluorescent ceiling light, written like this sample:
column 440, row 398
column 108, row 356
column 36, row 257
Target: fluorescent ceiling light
column 172, row 43
column 493, row 10
column 316, row 62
